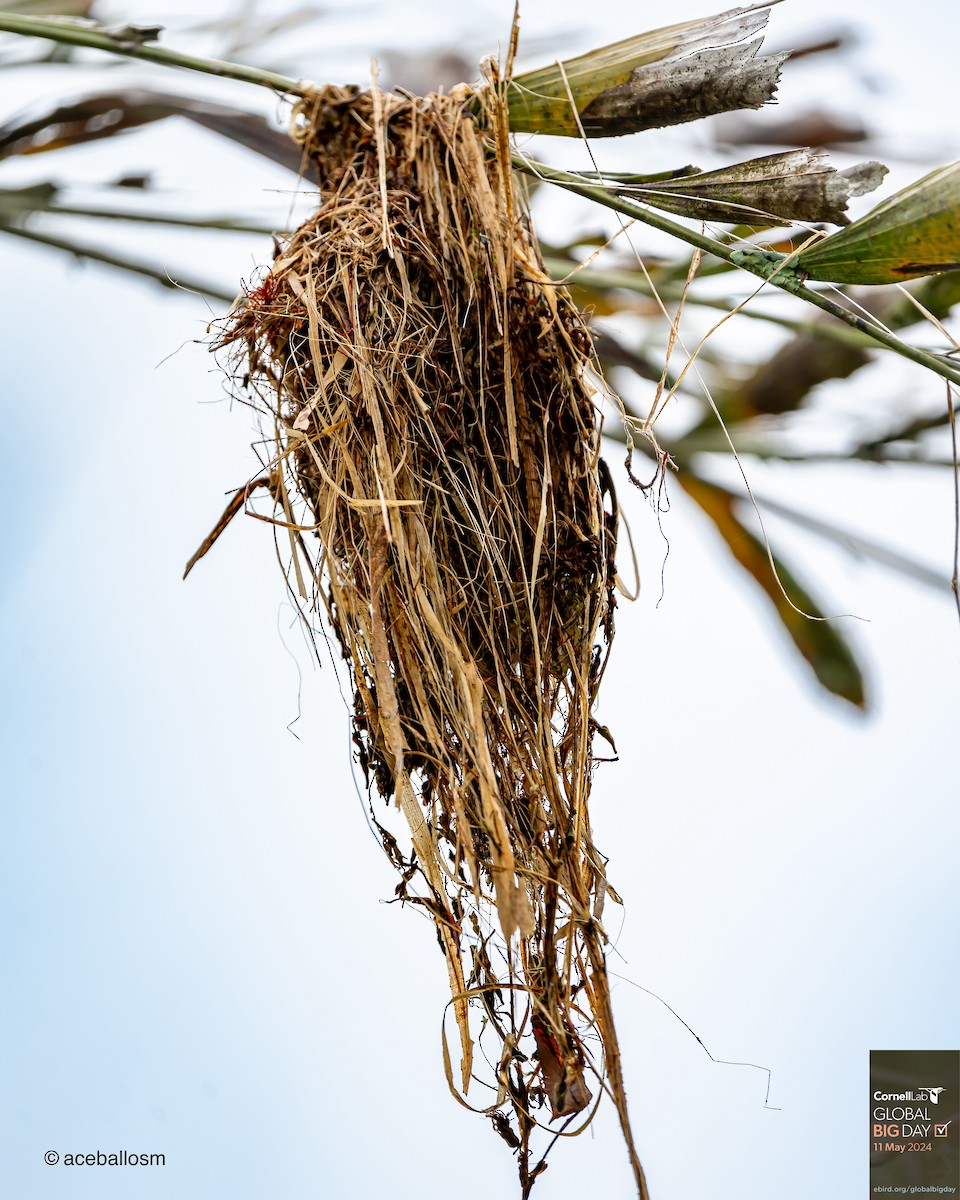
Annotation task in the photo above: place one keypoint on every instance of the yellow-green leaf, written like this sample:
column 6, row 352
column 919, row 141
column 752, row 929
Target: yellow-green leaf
column 916, row 232
column 43, row 8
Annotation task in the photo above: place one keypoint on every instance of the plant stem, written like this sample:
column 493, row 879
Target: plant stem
column 598, row 279
column 123, row 264
column 79, row 33
column 855, row 543
column 224, row 224
column 575, row 184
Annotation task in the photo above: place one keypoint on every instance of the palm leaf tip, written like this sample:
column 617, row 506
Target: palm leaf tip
column 793, row 186
column 666, row 77
column 915, row 232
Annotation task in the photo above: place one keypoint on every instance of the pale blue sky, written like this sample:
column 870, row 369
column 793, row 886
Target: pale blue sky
column 199, row 958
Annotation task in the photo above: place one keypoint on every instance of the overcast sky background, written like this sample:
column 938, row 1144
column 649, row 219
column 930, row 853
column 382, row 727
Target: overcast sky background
column 199, row 959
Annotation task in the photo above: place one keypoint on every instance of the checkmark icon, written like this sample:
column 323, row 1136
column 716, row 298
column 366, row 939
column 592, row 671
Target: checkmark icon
column 940, row 1130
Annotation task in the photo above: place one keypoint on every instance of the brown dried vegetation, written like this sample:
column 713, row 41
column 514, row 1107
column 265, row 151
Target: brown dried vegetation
column 435, row 429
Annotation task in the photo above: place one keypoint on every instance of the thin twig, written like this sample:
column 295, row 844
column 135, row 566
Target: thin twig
column 225, row 224
column 81, row 33
column 112, row 260
column 613, row 279
column 955, row 582
column 857, row 544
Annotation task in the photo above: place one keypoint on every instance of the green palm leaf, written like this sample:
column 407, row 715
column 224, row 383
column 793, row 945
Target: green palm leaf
column 916, row 232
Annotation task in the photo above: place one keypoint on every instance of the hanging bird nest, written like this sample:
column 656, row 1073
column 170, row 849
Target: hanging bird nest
column 436, row 464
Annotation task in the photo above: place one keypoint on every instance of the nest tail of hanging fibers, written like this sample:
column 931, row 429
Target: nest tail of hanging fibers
column 433, row 429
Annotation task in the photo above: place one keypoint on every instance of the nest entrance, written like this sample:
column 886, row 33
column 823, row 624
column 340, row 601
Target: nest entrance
column 435, row 431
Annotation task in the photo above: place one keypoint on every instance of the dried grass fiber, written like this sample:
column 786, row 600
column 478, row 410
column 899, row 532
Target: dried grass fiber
column 435, row 438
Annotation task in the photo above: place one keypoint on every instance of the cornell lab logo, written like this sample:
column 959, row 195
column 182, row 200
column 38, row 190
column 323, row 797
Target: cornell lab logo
column 921, row 1095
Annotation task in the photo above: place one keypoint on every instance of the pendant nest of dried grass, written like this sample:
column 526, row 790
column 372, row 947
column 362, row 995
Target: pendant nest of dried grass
column 435, row 431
